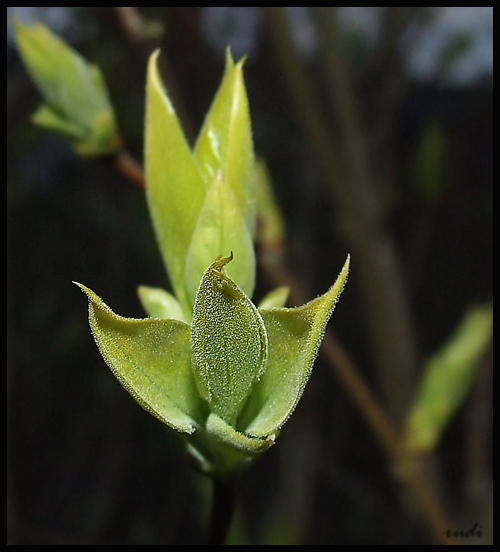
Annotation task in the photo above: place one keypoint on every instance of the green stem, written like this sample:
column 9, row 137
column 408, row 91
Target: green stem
column 223, row 505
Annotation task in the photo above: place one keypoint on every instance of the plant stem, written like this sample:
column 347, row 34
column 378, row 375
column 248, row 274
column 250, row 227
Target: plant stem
column 223, row 504
column 128, row 166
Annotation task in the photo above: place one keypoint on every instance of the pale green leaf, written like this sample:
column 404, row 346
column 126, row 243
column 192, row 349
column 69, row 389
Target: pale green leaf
column 294, row 336
column 73, row 89
column 271, row 226
column 220, row 451
column 53, row 120
column 275, row 298
column 227, row 435
column 152, row 359
column 174, row 188
column 228, row 341
column 220, row 229
column 102, row 143
column 447, row 379
column 225, row 142
column 158, row 303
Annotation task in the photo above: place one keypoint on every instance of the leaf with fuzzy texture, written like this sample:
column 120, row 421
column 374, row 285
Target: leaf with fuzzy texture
column 151, row 358
column 228, row 341
column 220, row 451
column 295, row 335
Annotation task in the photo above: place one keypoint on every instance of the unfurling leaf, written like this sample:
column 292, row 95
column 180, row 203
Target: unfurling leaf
column 225, row 143
column 76, row 98
column 174, row 188
column 231, row 379
column 208, row 362
column 202, row 203
column 229, row 342
column 220, row 228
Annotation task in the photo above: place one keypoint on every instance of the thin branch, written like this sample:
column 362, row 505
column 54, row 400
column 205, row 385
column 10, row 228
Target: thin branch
column 357, row 204
column 359, row 208
column 128, row 166
column 406, row 469
column 223, row 506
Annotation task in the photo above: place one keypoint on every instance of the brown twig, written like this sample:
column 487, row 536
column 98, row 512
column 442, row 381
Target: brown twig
column 360, row 210
column 406, row 468
column 357, row 204
column 128, row 166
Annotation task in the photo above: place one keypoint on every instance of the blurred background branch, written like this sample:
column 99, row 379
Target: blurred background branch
column 358, row 205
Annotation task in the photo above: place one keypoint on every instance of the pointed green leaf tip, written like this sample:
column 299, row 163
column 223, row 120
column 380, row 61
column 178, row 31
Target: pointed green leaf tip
column 174, row 188
column 228, row 340
column 294, row 336
column 151, row 358
column 225, row 142
column 75, row 94
column 202, row 202
column 220, row 228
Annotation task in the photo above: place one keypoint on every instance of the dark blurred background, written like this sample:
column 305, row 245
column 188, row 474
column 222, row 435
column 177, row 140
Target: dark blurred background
column 404, row 123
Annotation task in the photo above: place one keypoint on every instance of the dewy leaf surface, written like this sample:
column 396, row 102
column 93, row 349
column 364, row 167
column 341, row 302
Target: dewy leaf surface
column 294, row 338
column 228, row 341
column 174, row 188
column 220, row 229
column 151, row 359
column 225, row 142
